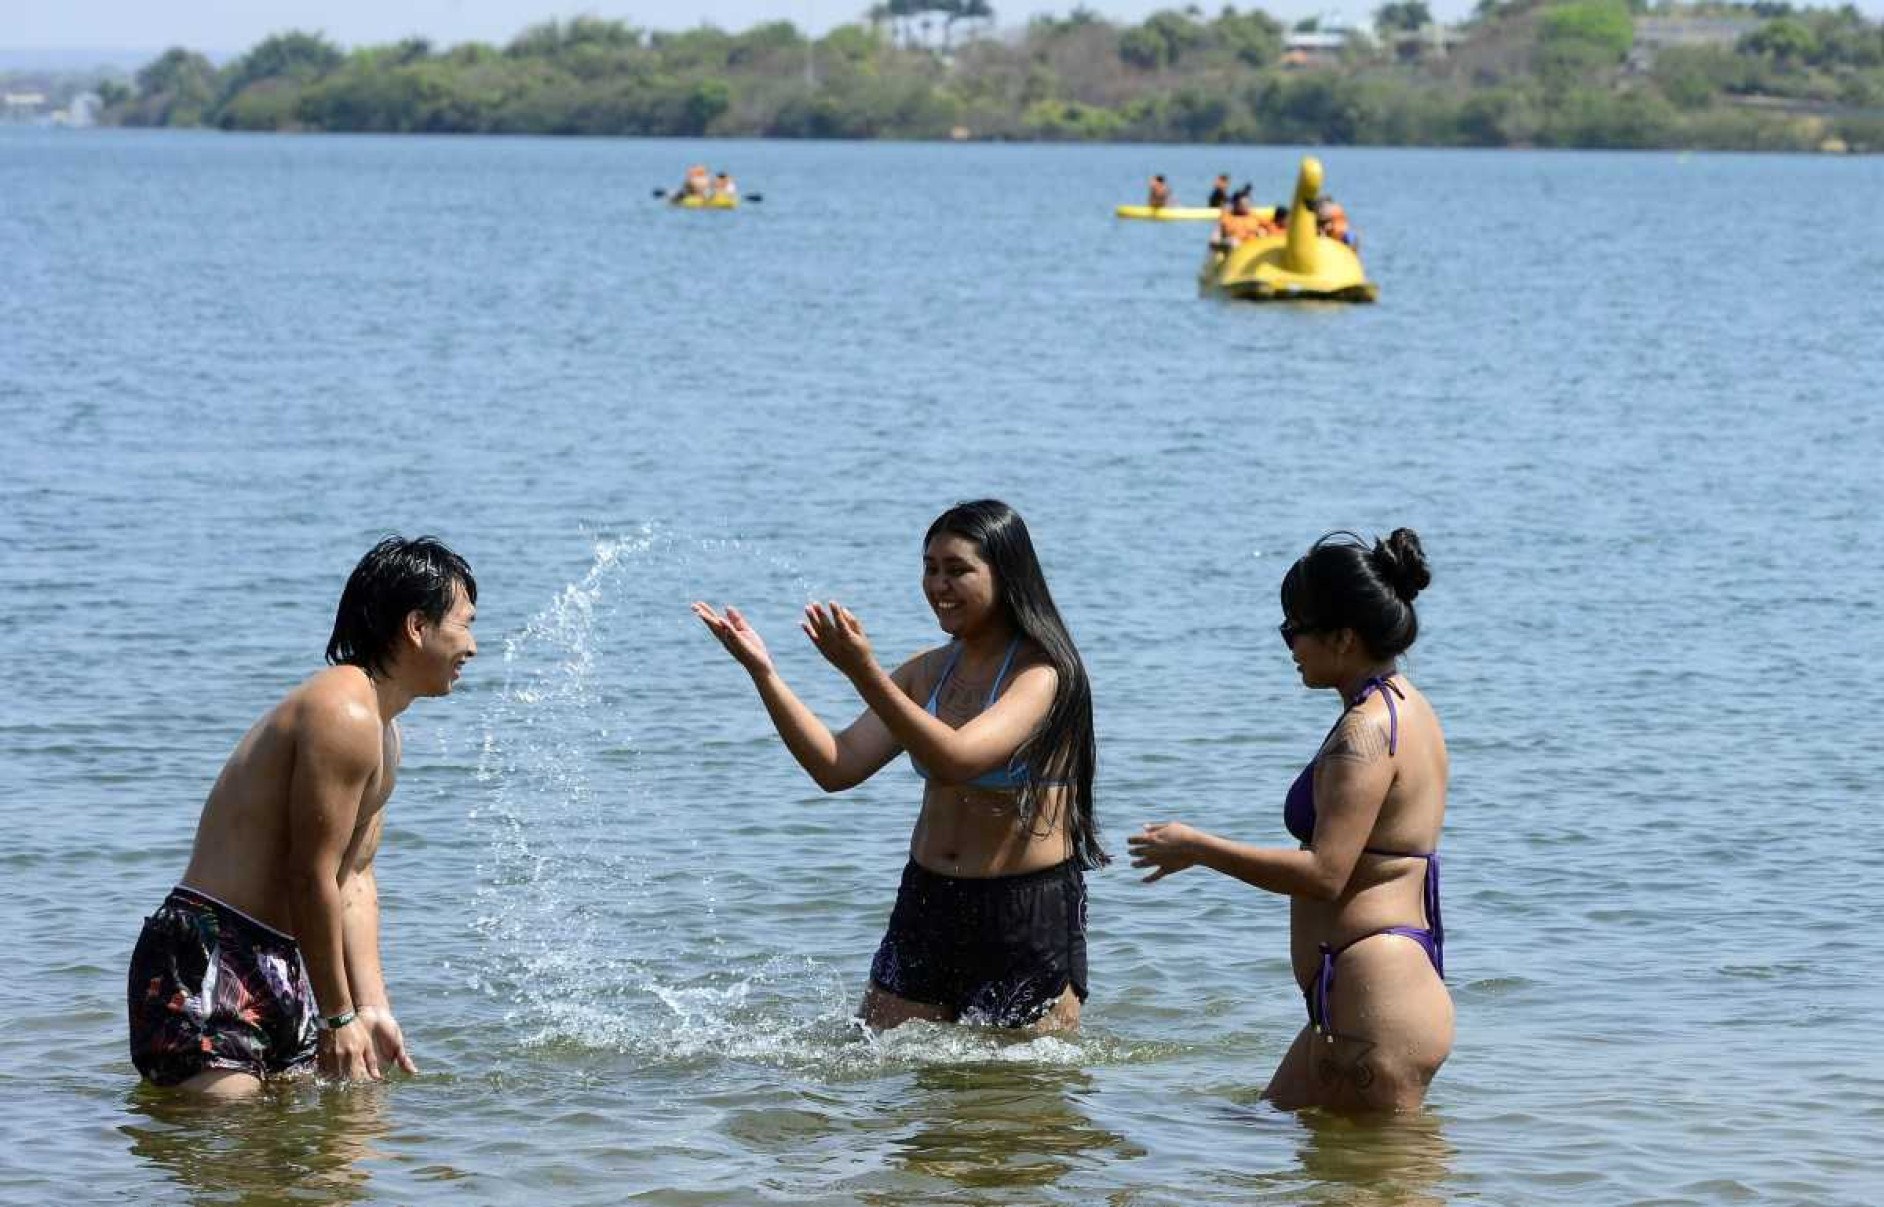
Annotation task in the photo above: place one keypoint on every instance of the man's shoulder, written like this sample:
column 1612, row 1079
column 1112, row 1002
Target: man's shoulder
column 335, row 705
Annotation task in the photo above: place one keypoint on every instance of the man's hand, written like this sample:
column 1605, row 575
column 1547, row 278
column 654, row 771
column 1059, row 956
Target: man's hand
column 346, row 1054
column 389, row 1043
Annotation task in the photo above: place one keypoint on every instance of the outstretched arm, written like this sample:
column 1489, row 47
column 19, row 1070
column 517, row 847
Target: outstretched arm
column 1352, row 776
column 953, row 756
column 835, row 761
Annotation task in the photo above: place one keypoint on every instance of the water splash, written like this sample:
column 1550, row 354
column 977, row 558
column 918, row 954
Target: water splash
column 599, row 905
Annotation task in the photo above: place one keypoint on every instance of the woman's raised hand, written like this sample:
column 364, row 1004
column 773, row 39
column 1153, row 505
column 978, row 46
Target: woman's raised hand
column 741, row 640
column 1166, row 846
column 839, row 636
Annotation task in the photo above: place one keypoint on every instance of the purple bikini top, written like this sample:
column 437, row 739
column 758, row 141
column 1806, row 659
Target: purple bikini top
column 1298, row 808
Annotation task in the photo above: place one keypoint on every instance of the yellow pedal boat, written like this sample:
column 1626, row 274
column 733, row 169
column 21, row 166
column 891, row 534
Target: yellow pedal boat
column 1299, row 265
column 706, row 203
column 1169, row 213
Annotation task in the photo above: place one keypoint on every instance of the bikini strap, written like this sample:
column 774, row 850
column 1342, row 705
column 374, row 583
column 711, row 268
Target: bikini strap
column 1430, row 895
column 1385, row 686
column 948, row 668
column 1001, row 674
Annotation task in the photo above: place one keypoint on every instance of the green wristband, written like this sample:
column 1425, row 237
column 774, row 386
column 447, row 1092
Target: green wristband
column 333, row 1022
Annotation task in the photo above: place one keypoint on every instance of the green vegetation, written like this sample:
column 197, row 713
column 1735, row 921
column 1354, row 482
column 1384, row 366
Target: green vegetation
column 1560, row 73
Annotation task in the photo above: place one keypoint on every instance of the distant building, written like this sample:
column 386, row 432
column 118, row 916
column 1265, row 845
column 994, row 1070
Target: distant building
column 1315, row 47
column 1430, row 41
column 1656, row 34
column 22, row 104
column 82, row 112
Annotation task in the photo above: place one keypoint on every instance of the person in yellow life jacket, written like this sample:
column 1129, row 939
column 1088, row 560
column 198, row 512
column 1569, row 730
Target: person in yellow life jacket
column 723, row 186
column 1160, row 194
column 1240, row 222
column 1331, row 221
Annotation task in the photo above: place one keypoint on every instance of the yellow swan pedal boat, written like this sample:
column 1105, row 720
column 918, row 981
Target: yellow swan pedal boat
column 1169, row 213
column 1298, row 265
column 706, row 203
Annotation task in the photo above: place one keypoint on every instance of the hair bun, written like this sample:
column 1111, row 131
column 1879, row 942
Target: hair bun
column 1402, row 563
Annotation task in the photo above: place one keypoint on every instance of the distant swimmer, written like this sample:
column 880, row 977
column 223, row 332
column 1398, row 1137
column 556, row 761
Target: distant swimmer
column 1219, row 192
column 264, row 961
column 1366, row 939
column 1159, row 194
column 723, row 186
column 990, row 920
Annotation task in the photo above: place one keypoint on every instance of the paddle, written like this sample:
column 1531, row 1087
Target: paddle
column 754, row 197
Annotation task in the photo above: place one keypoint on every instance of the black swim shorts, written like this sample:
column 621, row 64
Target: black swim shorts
column 1000, row 950
column 212, row 988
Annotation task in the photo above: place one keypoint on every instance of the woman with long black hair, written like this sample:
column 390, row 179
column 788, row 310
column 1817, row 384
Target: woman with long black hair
column 990, row 920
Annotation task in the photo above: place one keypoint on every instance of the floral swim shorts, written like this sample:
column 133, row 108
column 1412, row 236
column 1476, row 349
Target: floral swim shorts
column 212, row 988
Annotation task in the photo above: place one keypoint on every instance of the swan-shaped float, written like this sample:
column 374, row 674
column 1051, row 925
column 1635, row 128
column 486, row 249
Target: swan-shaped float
column 1298, row 265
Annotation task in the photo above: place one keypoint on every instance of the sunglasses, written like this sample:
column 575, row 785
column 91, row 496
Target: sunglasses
column 1290, row 631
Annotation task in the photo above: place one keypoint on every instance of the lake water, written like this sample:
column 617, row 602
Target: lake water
column 1630, row 401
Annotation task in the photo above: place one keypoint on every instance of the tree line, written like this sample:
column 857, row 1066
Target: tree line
column 1552, row 73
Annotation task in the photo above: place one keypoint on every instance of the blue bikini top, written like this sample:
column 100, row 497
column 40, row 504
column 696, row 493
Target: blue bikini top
column 1010, row 778
column 1298, row 808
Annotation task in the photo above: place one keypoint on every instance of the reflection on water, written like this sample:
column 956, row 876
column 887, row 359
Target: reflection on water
column 294, row 1142
column 1402, row 1161
column 999, row 1127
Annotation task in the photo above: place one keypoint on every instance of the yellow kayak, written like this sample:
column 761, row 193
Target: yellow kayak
column 1170, row 213
column 706, row 203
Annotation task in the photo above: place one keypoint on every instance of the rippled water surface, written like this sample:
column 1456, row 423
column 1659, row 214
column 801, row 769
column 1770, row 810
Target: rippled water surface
column 1630, row 401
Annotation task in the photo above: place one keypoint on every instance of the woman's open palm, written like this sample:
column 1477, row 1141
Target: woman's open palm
column 741, row 640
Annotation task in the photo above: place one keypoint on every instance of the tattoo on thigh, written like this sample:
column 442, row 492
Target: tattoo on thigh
column 1343, row 1059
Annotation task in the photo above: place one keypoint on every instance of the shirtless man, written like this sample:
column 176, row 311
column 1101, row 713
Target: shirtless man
column 264, row 960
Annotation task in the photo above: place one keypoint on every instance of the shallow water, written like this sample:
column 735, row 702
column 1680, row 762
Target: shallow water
column 1628, row 403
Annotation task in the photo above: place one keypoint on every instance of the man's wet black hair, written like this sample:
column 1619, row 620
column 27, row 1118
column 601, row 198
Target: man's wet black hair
column 396, row 578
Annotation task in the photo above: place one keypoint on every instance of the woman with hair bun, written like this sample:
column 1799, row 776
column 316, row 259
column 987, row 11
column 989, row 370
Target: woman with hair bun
column 1366, row 939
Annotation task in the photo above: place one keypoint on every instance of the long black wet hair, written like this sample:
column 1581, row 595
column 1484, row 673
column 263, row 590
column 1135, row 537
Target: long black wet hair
column 1062, row 750
column 396, row 578
column 1344, row 582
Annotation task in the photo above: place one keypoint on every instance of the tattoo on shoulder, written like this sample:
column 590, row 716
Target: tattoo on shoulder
column 1358, row 739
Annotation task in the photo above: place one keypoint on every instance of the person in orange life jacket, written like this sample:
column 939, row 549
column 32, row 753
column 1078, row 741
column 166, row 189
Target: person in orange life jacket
column 1332, row 221
column 1239, row 223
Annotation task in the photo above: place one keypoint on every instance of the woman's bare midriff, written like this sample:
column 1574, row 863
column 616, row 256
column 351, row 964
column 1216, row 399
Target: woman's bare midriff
column 976, row 833
column 1384, row 891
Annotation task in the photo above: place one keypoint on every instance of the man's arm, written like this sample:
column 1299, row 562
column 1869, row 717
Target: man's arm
column 337, row 753
column 360, row 924
column 360, row 938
